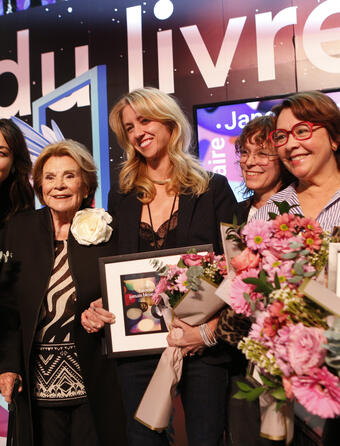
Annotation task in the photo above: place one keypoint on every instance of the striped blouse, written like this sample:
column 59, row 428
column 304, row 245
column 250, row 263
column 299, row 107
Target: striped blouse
column 57, row 378
column 328, row 217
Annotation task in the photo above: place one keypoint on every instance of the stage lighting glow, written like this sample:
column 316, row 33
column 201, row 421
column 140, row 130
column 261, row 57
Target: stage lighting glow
column 163, row 9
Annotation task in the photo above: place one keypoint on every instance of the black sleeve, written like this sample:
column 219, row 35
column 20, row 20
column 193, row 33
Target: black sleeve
column 10, row 339
column 224, row 200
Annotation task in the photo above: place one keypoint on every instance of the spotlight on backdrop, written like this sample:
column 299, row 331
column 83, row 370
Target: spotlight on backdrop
column 163, row 9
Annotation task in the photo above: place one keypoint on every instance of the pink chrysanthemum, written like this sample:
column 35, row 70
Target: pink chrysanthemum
column 309, row 224
column 182, row 282
column 238, row 288
column 283, row 269
column 284, row 225
column 318, row 392
column 258, row 234
column 312, row 240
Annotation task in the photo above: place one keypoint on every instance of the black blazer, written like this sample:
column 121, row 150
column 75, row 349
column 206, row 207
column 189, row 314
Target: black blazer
column 198, row 223
column 29, row 236
column 198, row 217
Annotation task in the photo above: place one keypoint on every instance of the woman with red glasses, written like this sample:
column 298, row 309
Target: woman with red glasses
column 307, row 140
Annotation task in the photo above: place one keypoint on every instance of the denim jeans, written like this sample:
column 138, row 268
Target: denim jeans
column 203, row 391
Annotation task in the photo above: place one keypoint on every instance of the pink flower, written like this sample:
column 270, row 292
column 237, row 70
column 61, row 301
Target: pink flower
column 182, row 283
column 276, row 310
column 270, row 326
column 309, row 224
column 247, row 259
column 284, row 225
column 277, row 318
column 305, row 349
column 312, row 240
column 192, row 259
column 210, row 257
column 160, row 288
column 318, row 392
column 258, row 234
column 283, row 269
column 173, row 272
column 280, row 348
column 238, row 288
column 280, row 246
column 287, row 385
column 222, row 267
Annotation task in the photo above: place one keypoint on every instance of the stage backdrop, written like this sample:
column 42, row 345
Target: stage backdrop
column 70, row 60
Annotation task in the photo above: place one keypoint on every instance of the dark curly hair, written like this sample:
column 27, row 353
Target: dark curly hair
column 16, row 192
column 257, row 131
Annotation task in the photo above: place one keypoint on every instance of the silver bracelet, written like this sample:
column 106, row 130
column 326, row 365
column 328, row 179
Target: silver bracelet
column 207, row 335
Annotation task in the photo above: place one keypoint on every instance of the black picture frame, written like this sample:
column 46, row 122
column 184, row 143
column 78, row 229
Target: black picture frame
column 126, row 284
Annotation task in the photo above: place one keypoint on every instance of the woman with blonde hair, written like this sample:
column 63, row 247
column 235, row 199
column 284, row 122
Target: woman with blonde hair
column 166, row 200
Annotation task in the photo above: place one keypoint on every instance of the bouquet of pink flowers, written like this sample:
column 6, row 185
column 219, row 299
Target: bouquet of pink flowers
column 288, row 340
column 187, row 291
column 186, row 283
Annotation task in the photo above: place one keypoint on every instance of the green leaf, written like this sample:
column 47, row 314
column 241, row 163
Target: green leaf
column 252, row 280
column 290, row 255
column 305, row 252
column 284, row 207
column 181, row 264
column 309, row 273
column 277, row 282
column 272, row 215
column 279, row 394
column 246, row 296
column 244, row 386
column 295, row 279
column 240, row 395
column 255, row 393
column 298, row 269
column 267, row 382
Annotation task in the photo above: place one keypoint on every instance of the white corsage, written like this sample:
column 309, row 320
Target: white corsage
column 91, row 226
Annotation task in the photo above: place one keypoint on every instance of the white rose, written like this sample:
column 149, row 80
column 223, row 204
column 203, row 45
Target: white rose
column 91, row 226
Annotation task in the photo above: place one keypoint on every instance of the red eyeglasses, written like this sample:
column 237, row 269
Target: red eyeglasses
column 301, row 131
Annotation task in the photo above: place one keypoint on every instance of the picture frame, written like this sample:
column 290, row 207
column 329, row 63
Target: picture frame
column 333, row 268
column 127, row 283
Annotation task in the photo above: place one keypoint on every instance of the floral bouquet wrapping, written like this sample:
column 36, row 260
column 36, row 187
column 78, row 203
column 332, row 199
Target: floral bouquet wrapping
column 287, row 341
column 186, row 291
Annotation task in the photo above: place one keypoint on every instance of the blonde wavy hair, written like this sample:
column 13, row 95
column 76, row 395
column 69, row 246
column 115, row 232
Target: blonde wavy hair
column 187, row 176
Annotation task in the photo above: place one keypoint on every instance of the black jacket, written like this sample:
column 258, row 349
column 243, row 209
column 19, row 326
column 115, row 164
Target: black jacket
column 29, row 236
column 198, row 217
column 198, row 223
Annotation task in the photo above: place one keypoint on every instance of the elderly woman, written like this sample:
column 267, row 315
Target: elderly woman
column 307, row 140
column 166, row 200
column 16, row 193
column 70, row 391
